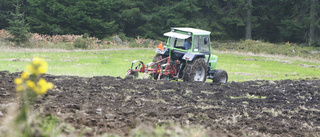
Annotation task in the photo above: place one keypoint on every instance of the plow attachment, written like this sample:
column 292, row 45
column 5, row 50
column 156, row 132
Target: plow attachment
column 162, row 69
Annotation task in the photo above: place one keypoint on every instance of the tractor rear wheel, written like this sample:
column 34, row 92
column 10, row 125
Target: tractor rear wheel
column 195, row 71
column 221, row 76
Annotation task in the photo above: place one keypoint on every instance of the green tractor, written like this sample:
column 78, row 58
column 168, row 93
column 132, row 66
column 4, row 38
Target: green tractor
column 186, row 55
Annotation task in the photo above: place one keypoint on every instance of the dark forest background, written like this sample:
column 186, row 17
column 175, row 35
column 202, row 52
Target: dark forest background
column 267, row 20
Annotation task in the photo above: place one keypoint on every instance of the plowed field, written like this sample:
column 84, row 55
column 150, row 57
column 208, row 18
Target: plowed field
column 115, row 105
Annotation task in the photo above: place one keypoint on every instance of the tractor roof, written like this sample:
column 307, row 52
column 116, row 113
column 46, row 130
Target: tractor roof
column 193, row 31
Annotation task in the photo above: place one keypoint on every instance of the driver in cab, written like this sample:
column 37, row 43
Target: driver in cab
column 187, row 44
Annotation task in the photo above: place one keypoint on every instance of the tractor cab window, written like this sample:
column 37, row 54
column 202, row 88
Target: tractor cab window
column 172, row 41
column 204, row 44
column 177, row 43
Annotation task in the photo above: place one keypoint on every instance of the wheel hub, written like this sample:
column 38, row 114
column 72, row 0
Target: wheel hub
column 199, row 74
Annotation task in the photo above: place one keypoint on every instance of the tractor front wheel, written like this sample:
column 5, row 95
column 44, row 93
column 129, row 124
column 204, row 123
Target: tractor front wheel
column 221, row 76
column 195, row 71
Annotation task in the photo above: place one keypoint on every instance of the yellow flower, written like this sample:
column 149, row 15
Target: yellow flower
column 24, row 75
column 42, row 86
column 30, row 84
column 42, row 82
column 37, row 67
column 18, row 81
column 50, row 85
column 43, row 90
column 37, row 90
column 19, row 88
column 37, row 60
column 31, row 69
column 43, row 68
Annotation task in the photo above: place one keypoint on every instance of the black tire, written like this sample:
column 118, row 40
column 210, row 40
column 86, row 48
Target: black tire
column 221, row 76
column 195, row 71
column 155, row 59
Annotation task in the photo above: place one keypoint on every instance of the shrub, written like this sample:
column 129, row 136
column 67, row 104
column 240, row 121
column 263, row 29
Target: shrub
column 81, row 43
column 123, row 37
column 135, row 45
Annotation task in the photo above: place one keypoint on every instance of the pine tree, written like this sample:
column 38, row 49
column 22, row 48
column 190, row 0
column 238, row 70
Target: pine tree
column 248, row 21
column 18, row 27
column 313, row 22
column 5, row 7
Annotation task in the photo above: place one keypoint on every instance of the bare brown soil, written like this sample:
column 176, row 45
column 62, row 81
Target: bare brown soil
column 115, row 105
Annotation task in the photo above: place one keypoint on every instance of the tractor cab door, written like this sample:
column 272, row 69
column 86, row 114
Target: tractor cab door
column 201, row 44
column 177, row 50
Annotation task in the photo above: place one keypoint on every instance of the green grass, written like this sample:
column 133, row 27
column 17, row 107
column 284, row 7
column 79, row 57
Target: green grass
column 240, row 67
column 248, row 67
column 255, row 46
column 79, row 63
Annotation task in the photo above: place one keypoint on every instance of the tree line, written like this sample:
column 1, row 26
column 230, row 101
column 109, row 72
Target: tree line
column 269, row 20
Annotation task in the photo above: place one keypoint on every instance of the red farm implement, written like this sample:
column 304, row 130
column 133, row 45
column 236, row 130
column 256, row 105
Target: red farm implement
column 165, row 69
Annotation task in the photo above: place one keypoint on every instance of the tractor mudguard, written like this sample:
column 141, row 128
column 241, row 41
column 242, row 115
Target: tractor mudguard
column 213, row 62
column 191, row 56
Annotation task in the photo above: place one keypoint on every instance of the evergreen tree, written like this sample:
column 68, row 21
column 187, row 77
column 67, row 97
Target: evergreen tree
column 313, row 22
column 18, row 28
column 73, row 17
column 248, row 21
column 269, row 20
column 5, row 7
column 275, row 20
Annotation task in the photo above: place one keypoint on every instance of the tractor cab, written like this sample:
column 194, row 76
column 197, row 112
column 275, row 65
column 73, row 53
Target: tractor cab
column 199, row 45
column 199, row 40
